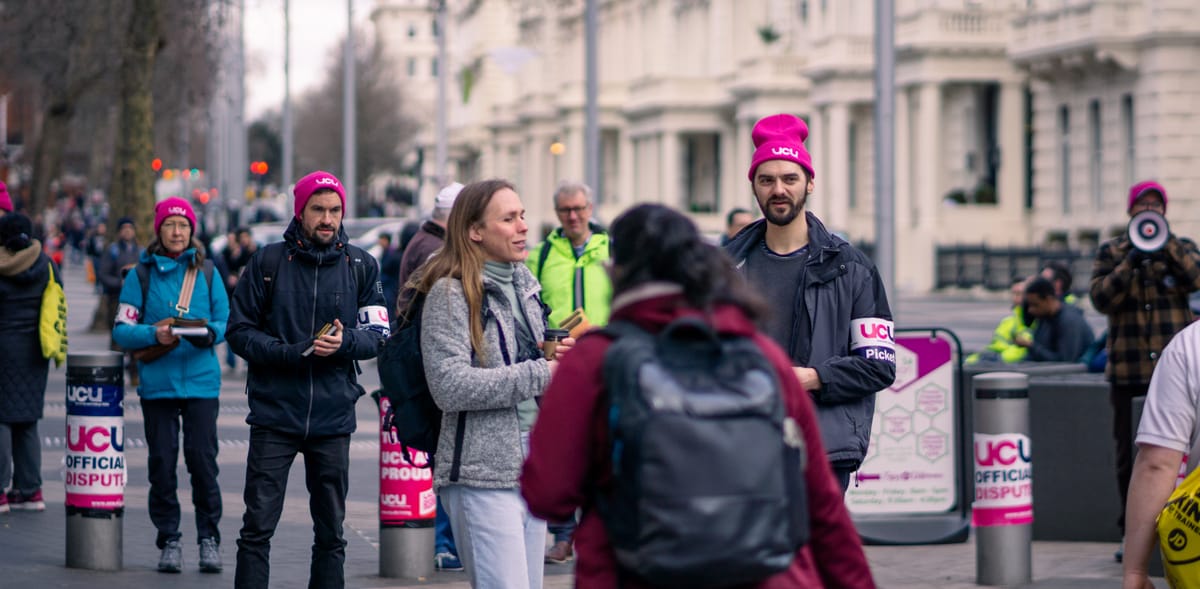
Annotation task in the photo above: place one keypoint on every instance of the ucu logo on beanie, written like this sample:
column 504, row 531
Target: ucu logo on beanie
column 176, row 211
column 327, row 181
column 786, row 151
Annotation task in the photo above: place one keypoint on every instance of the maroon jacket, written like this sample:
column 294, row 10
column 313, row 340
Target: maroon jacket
column 572, row 424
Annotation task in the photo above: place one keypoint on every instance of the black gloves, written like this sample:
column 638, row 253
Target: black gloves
column 202, row 341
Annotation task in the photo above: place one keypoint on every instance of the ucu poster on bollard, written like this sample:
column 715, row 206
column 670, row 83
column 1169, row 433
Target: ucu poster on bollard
column 406, row 497
column 1003, row 480
column 95, row 457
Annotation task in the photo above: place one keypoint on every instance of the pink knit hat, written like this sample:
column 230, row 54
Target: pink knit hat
column 5, row 200
column 171, row 207
column 781, row 137
column 313, row 182
column 1142, row 188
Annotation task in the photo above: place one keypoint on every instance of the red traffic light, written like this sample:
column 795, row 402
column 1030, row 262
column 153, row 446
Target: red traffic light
column 259, row 168
column 156, row 164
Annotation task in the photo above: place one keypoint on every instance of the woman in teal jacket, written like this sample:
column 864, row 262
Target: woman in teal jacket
column 181, row 387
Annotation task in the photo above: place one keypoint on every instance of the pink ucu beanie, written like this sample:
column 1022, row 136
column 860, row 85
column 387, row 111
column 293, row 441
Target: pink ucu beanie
column 310, row 184
column 173, row 206
column 1137, row 190
column 780, row 137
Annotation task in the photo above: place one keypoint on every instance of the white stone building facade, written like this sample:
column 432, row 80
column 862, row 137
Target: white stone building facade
column 1018, row 122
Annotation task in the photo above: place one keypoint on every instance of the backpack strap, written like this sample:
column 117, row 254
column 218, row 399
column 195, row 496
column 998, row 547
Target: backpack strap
column 272, row 260
column 143, row 274
column 542, row 255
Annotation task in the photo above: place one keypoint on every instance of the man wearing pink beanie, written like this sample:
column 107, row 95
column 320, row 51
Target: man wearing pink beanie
column 830, row 311
column 303, row 313
column 1145, row 296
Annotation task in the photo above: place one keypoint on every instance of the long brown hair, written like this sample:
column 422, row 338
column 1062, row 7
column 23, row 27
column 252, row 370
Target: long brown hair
column 460, row 257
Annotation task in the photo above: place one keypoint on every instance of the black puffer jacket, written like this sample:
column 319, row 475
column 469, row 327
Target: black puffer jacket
column 23, row 276
column 309, row 395
column 842, row 293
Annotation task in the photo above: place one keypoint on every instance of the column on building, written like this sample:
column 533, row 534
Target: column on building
column 1011, row 182
column 902, row 185
column 627, row 189
column 836, row 187
column 732, row 178
column 670, row 190
column 921, row 240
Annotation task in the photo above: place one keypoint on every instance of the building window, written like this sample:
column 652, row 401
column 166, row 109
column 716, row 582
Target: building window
column 1064, row 164
column 434, row 29
column 412, row 67
column 852, row 181
column 803, row 9
column 1130, row 139
column 412, row 31
column 1028, row 148
column 701, row 163
column 433, row 67
column 1097, row 155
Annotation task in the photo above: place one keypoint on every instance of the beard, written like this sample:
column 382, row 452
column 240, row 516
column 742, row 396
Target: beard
column 786, row 217
column 316, row 237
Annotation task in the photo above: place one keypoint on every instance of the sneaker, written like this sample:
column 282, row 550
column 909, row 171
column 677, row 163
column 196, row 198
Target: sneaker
column 559, row 553
column 445, row 561
column 210, row 556
column 1119, row 555
column 171, row 560
column 3, row 503
column 22, row 502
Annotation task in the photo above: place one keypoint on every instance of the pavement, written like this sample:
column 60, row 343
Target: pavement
column 32, row 545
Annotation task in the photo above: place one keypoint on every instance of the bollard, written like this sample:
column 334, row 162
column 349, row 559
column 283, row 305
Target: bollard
column 407, row 507
column 1002, row 513
column 95, row 460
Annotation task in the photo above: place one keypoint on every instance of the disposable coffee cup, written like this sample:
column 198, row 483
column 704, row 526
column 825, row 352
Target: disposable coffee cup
column 552, row 337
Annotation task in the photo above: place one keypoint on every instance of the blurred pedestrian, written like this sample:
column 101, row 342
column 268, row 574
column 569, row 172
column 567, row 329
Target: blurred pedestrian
column 6, row 203
column 570, row 265
column 1145, row 296
column 122, row 254
column 735, row 221
column 663, row 271
column 24, row 274
column 178, row 390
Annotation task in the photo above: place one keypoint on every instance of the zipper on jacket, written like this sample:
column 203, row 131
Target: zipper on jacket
column 312, row 329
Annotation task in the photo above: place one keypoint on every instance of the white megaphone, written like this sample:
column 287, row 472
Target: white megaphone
column 1148, row 231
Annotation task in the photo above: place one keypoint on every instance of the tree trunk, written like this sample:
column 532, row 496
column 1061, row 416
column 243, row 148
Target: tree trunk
column 133, row 180
column 48, row 156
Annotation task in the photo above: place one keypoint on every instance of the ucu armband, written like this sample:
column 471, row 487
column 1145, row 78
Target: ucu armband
column 374, row 318
column 871, row 338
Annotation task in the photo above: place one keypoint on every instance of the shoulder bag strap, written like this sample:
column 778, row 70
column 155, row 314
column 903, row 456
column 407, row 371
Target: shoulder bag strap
column 185, row 291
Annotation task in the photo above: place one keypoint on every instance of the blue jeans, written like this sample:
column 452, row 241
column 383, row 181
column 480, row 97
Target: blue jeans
column 326, row 475
column 500, row 543
column 444, row 534
column 199, row 419
column 20, row 457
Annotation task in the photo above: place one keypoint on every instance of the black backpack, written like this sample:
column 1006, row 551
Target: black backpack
column 708, row 469
column 413, row 415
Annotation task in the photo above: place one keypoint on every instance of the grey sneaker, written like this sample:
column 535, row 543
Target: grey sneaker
column 210, row 556
column 171, row 560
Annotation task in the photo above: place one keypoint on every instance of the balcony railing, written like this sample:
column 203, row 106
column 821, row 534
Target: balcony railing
column 965, row 28
column 1048, row 29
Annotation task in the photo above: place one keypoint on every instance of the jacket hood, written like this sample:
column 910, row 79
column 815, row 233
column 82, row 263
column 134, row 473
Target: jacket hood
column 305, row 249
column 18, row 265
column 750, row 235
column 652, row 306
column 164, row 263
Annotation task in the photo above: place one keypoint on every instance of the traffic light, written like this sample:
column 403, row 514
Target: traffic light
column 156, row 164
column 258, row 168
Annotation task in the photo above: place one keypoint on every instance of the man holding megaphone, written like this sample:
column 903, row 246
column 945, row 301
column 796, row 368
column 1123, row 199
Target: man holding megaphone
column 1141, row 281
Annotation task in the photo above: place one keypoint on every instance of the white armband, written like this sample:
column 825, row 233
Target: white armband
column 128, row 314
column 374, row 318
column 871, row 338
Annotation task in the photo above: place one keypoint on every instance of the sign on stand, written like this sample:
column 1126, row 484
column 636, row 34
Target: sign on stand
column 910, row 486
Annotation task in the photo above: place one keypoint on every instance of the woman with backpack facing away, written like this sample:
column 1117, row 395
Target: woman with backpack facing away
column 481, row 328
column 667, row 281
column 180, row 387
column 24, row 274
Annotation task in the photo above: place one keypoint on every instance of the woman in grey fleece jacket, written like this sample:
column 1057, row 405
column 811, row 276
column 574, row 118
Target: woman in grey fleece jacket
column 481, row 331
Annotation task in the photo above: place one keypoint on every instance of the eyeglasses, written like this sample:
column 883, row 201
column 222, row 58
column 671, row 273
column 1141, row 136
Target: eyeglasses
column 175, row 226
column 566, row 211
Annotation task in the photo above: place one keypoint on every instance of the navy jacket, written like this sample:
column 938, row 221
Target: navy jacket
column 850, row 344
column 23, row 373
column 290, row 393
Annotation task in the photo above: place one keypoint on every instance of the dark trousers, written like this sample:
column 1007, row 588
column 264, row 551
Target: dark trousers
column 443, row 538
column 20, row 457
column 1121, row 397
column 326, row 474
column 198, row 417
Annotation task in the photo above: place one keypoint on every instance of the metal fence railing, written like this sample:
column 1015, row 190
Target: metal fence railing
column 995, row 268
